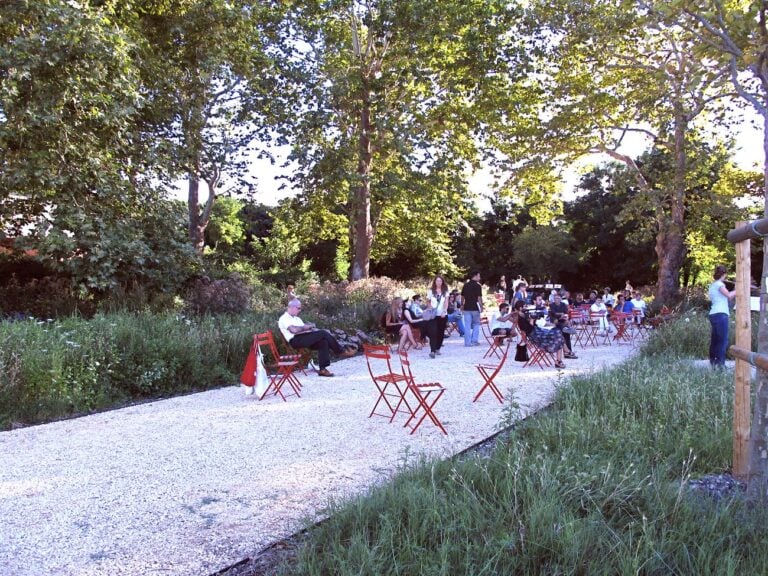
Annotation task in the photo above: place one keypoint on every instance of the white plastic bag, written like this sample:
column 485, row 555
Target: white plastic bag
column 262, row 380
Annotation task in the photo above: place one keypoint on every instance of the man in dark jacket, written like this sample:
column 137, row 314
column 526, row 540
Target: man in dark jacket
column 471, row 306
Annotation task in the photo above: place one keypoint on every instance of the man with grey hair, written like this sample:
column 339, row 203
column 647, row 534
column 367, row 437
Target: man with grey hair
column 301, row 335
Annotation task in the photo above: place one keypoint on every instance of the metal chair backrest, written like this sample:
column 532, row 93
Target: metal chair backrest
column 405, row 365
column 378, row 354
column 268, row 341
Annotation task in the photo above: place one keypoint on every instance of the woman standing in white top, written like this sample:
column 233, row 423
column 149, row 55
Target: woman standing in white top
column 438, row 298
column 719, row 317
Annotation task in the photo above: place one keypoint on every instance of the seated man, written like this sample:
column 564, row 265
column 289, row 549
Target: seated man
column 623, row 305
column 558, row 315
column 301, row 335
column 502, row 322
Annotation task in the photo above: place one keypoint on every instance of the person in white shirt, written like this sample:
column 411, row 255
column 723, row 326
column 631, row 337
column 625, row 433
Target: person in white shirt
column 502, row 322
column 638, row 304
column 301, row 335
column 599, row 308
column 608, row 297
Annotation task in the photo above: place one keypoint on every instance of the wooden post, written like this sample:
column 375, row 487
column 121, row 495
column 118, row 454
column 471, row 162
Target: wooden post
column 743, row 371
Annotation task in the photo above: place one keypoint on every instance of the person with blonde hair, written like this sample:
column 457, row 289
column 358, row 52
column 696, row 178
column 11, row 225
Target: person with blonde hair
column 394, row 323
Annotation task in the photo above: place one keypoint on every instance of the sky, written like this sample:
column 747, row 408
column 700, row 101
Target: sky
column 748, row 155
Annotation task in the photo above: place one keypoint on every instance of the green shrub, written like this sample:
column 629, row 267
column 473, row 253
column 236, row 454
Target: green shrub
column 688, row 336
column 54, row 369
column 223, row 296
column 73, row 366
column 48, row 297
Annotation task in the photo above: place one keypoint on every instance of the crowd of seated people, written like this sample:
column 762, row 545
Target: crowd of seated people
column 545, row 317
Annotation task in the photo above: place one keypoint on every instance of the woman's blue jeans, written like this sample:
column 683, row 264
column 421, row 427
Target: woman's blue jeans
column 718, row 343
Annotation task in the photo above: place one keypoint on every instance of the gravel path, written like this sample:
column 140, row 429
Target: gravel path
column 190, row 485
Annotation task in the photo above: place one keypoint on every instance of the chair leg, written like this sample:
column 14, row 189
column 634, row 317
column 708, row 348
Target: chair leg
column 427, row 408
column 489, row 384
column 382, row 396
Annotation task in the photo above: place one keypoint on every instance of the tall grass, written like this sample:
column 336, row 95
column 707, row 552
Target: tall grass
column 50, row 370
column 688, row 336
column 593, row 485
column 73, row 365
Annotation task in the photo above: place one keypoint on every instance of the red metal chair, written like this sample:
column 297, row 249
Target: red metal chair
column 621, row 321
column 302, row 355
column 426, row 396
column 391, row 385
column 280, row 370
column 600, row 321
column 579, row 321
column 537, row 356
column 494, row 342
column 489, row 373
column 639, row 327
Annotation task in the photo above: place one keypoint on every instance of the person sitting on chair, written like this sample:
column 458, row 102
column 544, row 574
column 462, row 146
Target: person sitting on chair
column 301, row 335
column 395, row 323
column 558, row 315
column 502, row 323
column 550, row 340
column 454, row 311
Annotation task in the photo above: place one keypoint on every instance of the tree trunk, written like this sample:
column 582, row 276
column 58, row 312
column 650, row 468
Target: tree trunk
column 196, row 229
column 670, row 250
column 758, row 441
column 361, row 202
column 670, row 239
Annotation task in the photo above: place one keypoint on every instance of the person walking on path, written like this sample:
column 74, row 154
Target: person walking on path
column 471, row 306
column 301, row 335
column 719, row 317
column 438, row 299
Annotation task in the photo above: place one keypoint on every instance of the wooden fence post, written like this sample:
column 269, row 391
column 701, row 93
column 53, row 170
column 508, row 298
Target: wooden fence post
column 743, row 371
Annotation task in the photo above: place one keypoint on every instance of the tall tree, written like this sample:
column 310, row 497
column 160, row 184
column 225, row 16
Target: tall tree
column 736, row 33
column 388, row 98
column 70, row 98
column 617, row 69
column 209, row 81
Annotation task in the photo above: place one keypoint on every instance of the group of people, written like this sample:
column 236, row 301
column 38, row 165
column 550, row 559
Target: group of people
column 428, row 317
column 417, row 320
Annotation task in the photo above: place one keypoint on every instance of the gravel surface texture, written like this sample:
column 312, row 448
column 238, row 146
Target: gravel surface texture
column 191, row 485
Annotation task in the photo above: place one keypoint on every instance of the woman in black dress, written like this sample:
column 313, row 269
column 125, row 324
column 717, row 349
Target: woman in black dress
column 550, row 340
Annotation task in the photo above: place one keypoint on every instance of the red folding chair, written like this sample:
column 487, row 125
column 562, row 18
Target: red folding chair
column 280, row 370
column 621, row 321
column 494, row 342
column 489, row 373
column 578, row 320
column 639, row 327
column 537, row 356
column 600, row 322
column 426, row 396
column 302, row 355
column 391, row 385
